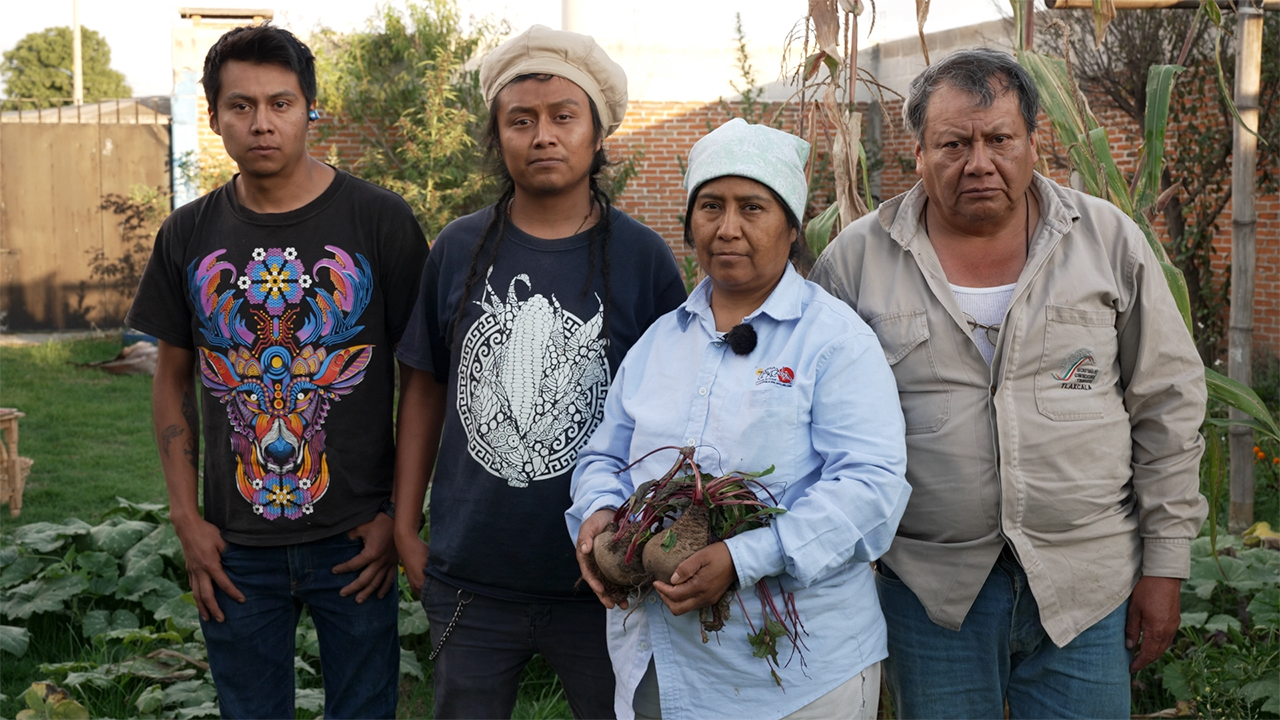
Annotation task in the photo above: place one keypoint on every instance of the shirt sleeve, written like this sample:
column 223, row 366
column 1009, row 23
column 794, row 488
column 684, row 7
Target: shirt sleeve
column 1164, row 394
column 160, row 307
column 422, row 346
column 596, row 482
column 852, row 512
column 404, row 251
column 669, row 289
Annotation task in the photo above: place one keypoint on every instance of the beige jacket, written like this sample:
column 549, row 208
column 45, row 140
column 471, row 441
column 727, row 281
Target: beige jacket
column 1078, row 445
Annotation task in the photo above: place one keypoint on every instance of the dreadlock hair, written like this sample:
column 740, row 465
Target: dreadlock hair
column 486, row 251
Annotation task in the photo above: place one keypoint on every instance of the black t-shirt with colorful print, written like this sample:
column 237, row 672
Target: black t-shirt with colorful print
column 527, row 371
column 293, row 318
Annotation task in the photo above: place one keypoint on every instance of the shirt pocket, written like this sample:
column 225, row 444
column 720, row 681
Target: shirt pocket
column 769, row 428
column 925, row 397
column 1075, row 372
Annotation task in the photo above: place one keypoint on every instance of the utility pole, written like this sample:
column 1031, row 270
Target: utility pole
column 77, row 65
column 1244, row 227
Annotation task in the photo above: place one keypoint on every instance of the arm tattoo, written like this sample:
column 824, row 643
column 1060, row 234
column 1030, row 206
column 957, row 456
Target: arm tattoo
column 167, row 436
column 191, row 449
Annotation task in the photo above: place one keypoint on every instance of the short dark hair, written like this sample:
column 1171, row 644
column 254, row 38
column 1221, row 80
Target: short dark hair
column 798, row 245
column 972, row 72
column 264, row 44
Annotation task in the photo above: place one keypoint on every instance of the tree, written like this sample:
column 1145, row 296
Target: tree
column 1114, row 75
column 40, row 66
column 408, row 85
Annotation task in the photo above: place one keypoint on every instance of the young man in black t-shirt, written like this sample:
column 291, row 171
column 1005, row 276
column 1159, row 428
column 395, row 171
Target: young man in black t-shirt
column 284, row 291
column 525, row 311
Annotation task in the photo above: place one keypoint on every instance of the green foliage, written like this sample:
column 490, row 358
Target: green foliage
column 754, row 109
column 1226, row 658
column 48, row 701
column 118, row 587
column 689, row 270
column 1196, row 169
column 408, row 84
column 40, row 66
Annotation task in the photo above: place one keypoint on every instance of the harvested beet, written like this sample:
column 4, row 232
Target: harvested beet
column 611, row 559
column 608, row 562
column 686, row 536
column 702, row 509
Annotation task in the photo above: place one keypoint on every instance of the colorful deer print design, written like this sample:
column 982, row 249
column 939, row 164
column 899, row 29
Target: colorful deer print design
column 279, row 380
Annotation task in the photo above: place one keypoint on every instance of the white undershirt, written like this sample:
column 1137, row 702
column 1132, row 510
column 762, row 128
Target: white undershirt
column 986, row 306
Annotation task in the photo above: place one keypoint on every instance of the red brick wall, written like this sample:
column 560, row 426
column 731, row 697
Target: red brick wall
column 664, row 133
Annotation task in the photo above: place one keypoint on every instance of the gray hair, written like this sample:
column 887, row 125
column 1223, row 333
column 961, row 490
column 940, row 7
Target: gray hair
column 972, row 72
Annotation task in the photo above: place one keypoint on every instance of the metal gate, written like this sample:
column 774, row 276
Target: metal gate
column 57, row 165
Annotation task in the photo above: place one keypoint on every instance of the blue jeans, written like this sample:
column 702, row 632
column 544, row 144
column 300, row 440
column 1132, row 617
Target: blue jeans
column 251, row 653
column 1000, row 653
column 478, row 669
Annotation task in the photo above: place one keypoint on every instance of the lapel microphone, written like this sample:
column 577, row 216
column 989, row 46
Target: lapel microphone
column 741, row 339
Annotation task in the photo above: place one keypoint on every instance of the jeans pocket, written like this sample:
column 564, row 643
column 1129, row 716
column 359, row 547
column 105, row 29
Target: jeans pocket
column 424, row 592
column 887, row 576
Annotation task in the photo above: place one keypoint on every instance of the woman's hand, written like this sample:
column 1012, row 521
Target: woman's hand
column 591, row 527
column 699, row 581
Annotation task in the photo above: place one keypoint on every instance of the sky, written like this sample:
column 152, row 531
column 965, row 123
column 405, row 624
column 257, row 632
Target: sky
column 138, row 31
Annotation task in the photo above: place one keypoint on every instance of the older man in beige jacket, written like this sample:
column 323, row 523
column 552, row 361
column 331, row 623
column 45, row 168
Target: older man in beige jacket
column 1052, row 396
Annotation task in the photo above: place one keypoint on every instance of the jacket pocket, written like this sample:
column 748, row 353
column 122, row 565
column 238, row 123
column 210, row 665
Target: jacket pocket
column 1075, row 372
column 925, row 398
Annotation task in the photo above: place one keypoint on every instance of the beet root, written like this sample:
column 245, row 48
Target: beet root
column 687, row 535
column 608, row 562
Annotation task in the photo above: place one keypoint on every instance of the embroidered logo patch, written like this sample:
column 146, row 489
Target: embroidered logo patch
column 783, row 376
column 1077, row 371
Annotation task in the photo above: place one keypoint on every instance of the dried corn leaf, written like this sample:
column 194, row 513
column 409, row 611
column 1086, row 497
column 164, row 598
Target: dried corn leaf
column 922, row 14
column 826, row 26
column 1104, row 11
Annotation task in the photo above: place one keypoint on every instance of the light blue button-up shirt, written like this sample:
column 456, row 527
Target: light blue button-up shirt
column 817, row 400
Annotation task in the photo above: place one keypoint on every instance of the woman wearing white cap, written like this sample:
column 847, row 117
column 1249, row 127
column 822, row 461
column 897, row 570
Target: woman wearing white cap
column 759, row 367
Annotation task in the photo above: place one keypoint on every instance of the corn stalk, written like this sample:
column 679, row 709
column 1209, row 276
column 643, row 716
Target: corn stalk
column 834, row 25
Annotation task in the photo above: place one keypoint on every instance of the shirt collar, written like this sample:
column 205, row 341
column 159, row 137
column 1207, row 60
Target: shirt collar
column 784, row 303
column 900, row 216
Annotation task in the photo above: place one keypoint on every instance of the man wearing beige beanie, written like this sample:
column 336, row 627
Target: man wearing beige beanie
column 526, row 308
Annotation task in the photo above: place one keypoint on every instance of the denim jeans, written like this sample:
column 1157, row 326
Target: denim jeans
column 1000, row 653
column 251, row 653
column 478, row 669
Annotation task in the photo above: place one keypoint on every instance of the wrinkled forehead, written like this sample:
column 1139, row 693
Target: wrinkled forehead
column 951, row 105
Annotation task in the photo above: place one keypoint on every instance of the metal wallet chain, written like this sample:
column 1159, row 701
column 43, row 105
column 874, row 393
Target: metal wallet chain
column 448, row 629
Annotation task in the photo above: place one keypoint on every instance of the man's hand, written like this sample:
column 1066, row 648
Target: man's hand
column 1153, row 619
column 202, row 546
column 378, row 560
column 592, row 527
column 413, row 556
column 699, row 581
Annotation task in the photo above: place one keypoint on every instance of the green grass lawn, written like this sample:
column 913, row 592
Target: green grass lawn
column 90, row 436
column 88, row 432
